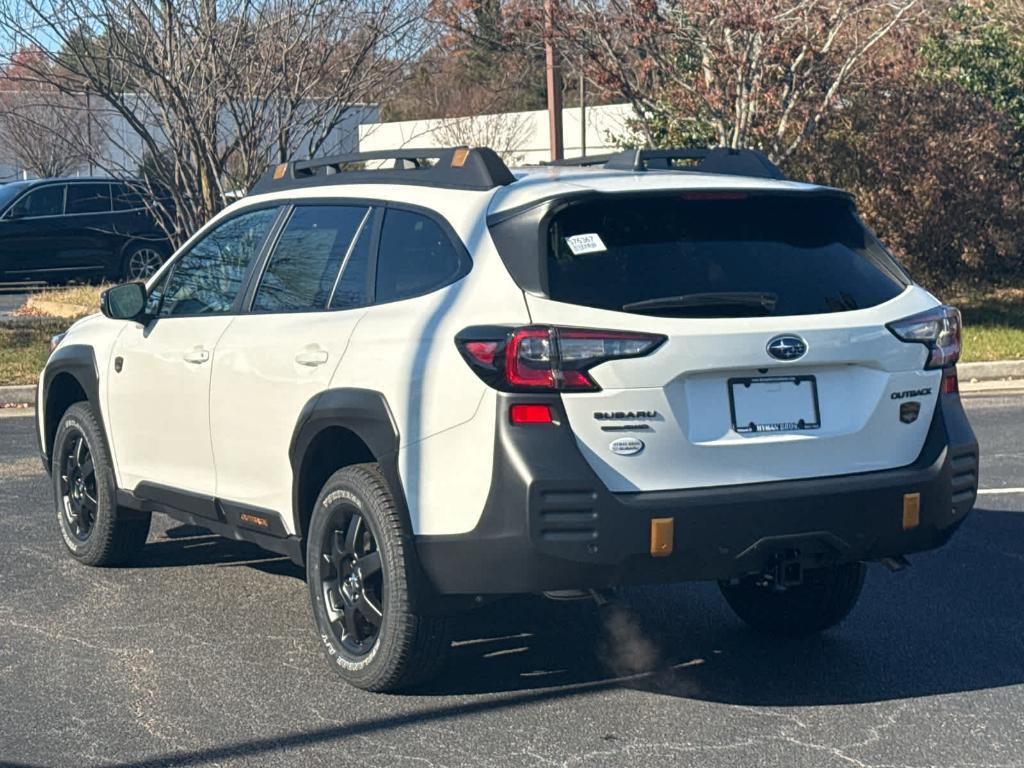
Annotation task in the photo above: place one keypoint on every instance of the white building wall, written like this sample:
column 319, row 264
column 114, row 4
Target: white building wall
column 122, row 148
column 520, row 137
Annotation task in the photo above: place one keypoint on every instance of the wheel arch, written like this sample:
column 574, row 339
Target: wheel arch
column 335, row 429
column 70, row 376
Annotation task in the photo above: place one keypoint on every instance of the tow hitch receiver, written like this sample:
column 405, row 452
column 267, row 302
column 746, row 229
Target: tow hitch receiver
column 785, row 571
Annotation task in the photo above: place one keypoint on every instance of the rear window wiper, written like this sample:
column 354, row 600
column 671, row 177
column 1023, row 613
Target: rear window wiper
column 754, row 300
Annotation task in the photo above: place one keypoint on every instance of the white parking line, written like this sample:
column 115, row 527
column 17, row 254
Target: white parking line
column 993, row 491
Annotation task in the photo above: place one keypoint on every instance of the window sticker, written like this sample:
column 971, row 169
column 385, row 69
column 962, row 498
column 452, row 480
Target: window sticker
column 580, row 244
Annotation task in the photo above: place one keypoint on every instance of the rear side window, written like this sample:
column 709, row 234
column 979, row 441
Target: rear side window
column 304, row 267
column 354, row 289
column 128, row 197
column 415, row 257
column 718, row 256
column 88, row 198
column 45, row 201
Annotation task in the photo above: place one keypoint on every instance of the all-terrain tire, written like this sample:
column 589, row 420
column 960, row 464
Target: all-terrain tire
column 821, row 601
column 409, row 647
column 104, row 534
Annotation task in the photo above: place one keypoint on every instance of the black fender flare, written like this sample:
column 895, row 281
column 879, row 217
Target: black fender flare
column 365, row 413
column 78, row 361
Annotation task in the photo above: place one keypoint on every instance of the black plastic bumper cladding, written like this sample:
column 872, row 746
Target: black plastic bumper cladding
column 549, row 522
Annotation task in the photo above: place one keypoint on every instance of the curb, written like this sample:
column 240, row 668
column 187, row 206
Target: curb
column 999, row 369
column 20, row 395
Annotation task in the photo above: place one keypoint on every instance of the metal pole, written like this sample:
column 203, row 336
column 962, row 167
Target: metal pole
column 88, row 130
column 583, row 113
column 554, row 83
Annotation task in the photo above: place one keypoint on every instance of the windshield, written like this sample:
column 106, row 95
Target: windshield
column 718, row 255
column 11, row 190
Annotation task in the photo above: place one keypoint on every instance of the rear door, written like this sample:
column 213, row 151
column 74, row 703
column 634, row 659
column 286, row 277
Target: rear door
column 91, row 243
column 777, row 363
column 272, row 360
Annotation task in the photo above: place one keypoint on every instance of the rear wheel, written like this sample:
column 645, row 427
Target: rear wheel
column 95, row 530
column 141, row 261
column 822, row 600
column 358, row 567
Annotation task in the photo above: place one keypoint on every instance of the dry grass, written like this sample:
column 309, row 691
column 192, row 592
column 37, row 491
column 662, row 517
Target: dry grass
column 72, row 302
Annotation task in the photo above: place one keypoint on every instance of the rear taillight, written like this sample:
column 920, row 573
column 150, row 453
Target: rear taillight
column 545, row 359
column 938, row 329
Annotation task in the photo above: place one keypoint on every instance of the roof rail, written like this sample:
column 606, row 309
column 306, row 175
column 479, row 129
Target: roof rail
column 732, row 162
column 474, row 168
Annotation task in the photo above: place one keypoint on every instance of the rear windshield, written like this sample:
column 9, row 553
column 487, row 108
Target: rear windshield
column 711, row 255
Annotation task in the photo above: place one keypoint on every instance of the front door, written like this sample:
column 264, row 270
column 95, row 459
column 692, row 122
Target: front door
column 31, row 237
column 159, row 373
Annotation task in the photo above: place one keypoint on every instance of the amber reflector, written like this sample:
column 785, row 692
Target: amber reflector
column 661, row 536
column 911, row 510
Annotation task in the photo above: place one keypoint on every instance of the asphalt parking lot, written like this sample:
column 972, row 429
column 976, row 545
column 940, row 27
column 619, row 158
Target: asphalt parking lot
column 11, row 299
column 204, row 655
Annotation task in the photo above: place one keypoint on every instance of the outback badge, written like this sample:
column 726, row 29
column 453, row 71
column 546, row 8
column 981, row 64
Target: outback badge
column 626, row 446
column 909, row 411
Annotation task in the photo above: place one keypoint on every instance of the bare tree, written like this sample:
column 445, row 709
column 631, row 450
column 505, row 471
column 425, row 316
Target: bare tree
column 206, row 93
column 505, row 133
column 732, row 72
column 47, row 133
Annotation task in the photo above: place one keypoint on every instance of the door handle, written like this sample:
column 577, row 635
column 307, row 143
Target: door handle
column 311, row 357
column 196, row 355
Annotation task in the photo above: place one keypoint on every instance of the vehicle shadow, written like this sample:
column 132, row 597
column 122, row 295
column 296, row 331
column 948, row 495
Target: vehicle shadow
column 952, row 622
column 185, row 545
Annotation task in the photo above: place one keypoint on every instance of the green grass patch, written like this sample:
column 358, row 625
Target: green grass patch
column 993, row 326
column 24, row 349
column 25, row 338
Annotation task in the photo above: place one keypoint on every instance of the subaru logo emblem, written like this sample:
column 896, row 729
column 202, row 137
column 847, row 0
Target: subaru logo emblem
column 787, row 347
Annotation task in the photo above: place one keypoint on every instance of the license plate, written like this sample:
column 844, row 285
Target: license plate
column 774, row 404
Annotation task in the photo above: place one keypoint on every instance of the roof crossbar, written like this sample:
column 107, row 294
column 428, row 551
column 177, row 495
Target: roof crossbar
column 472, row 168
column 732, row 162
column 581, row 162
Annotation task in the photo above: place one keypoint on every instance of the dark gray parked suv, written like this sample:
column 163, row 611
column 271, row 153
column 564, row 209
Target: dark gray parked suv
column 56, row 230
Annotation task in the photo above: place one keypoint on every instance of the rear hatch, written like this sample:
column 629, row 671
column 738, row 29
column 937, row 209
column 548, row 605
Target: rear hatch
column 774, row 359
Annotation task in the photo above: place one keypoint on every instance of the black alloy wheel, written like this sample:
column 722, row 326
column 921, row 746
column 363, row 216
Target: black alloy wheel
column 352, row 581
column 78, row 486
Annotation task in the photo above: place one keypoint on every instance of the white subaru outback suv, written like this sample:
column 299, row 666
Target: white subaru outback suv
column 439, row 381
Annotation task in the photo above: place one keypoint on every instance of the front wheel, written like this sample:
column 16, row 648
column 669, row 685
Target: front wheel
column 820, row 601
column 95, row 530
column 358, row 566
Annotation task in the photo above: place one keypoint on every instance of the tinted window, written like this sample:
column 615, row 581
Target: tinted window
column 127, row 197
column 45, row 201
column 304, row 267
column 353, row 289
column 88, row 198
column 718, row 257
column 206, row 279
column 415, row 257
column 11, row 190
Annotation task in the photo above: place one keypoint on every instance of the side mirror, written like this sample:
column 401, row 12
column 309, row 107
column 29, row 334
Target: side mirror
column 124, row 302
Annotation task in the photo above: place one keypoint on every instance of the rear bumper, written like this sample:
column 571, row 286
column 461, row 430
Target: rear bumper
column 549, row 523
